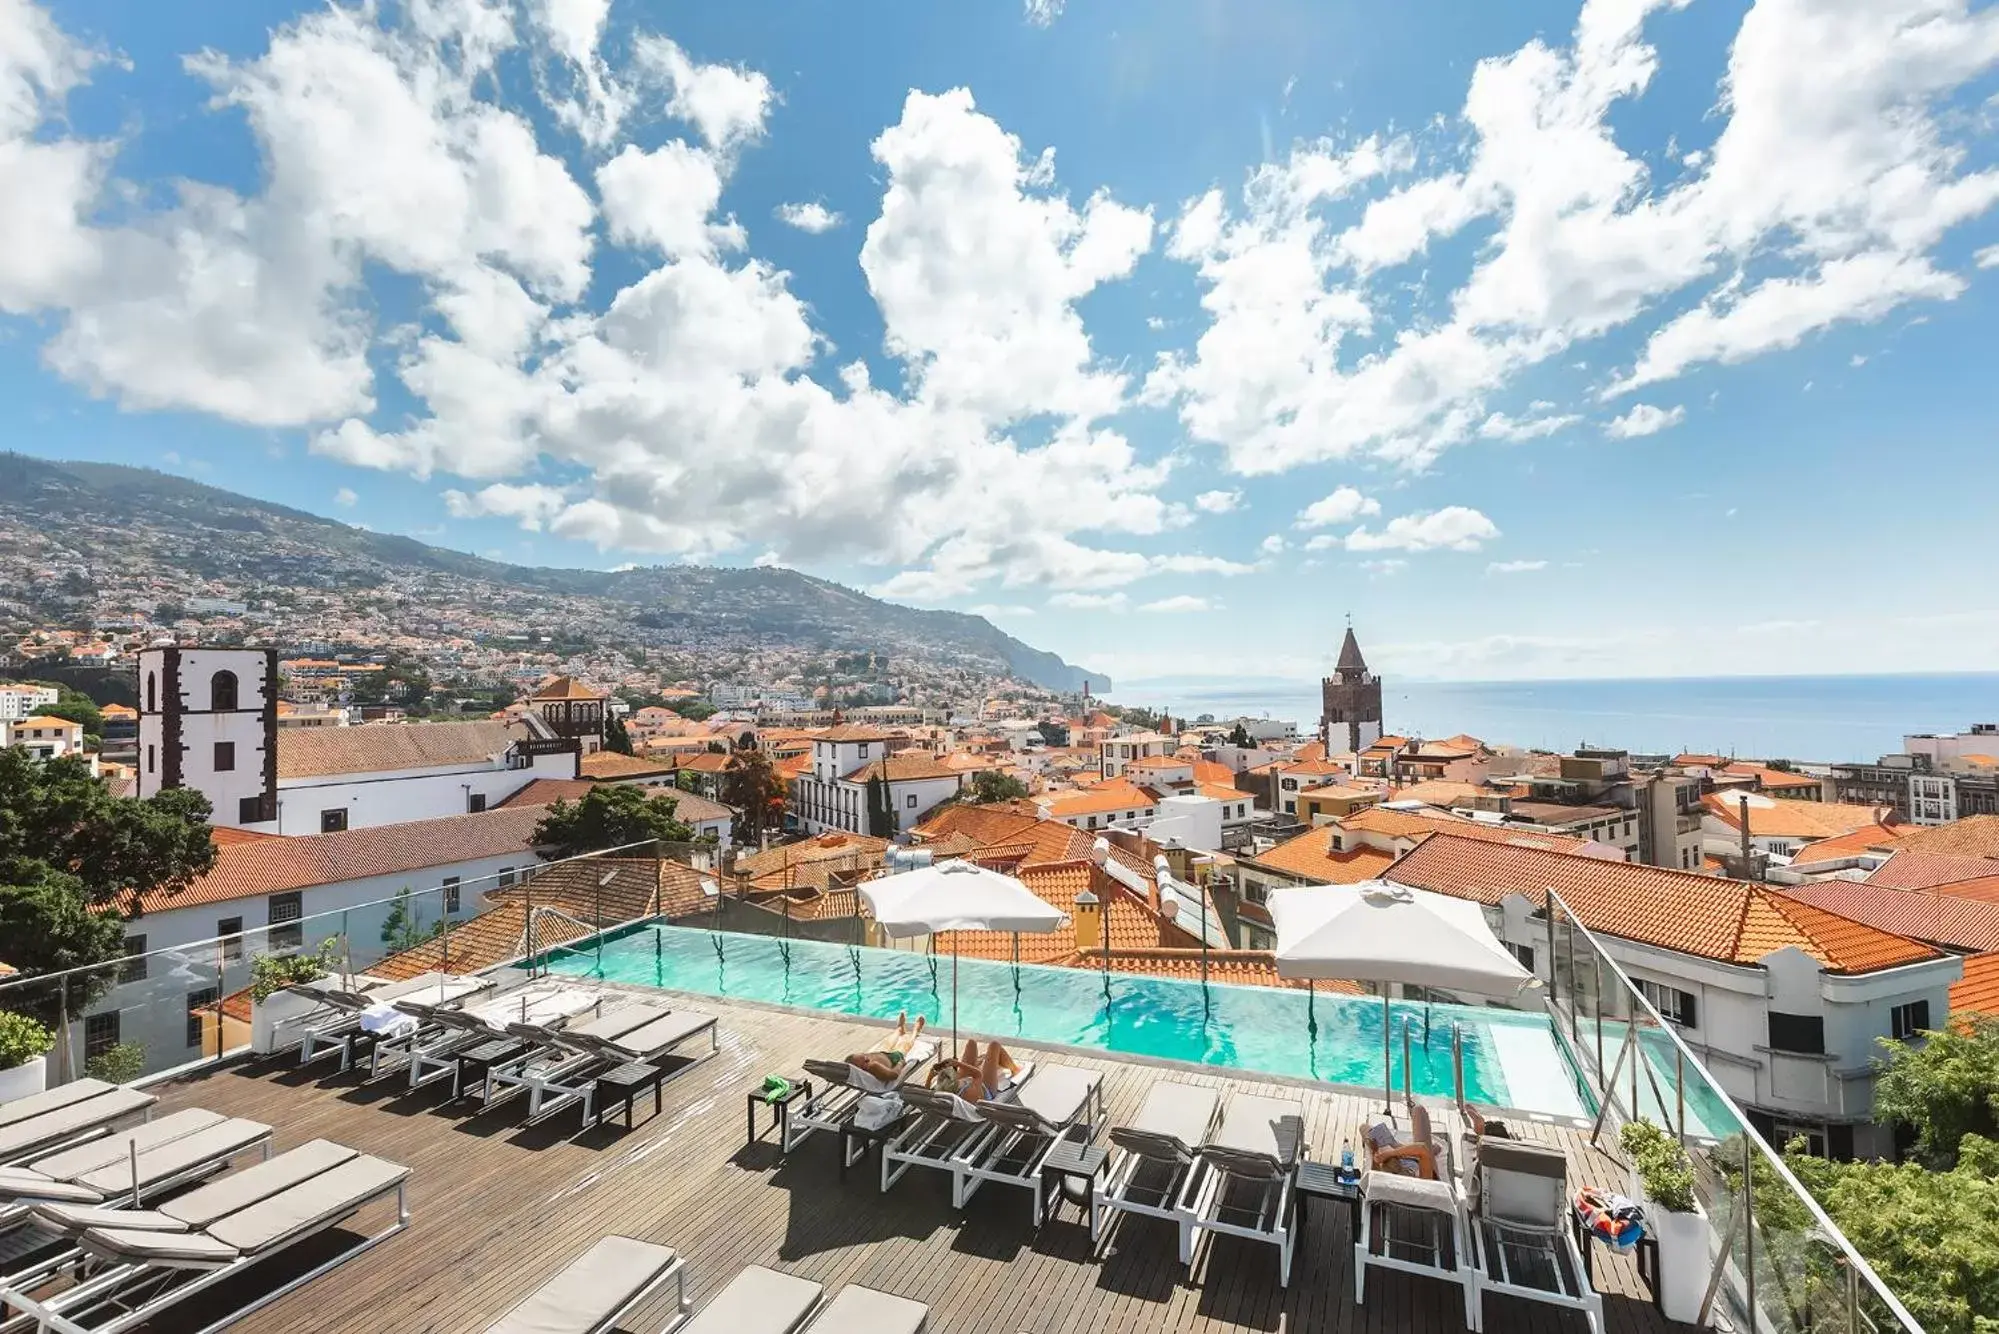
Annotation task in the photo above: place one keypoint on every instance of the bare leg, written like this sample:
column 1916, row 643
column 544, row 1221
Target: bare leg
column 989, row 1073
column 1006, row 1061
column 971, row 1057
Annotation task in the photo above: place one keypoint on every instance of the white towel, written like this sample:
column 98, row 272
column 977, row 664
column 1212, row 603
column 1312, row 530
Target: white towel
column 387, row 1021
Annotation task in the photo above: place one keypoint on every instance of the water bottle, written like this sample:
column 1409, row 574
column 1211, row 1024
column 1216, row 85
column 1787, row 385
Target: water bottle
column 1346, row 1158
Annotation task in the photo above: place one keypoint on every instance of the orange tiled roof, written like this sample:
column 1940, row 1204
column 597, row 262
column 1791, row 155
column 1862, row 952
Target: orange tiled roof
column 1779, row 817
column 1310, row 750
column 824, row 847
column 688, row 806
column 1420, row 824
column 994, row 823
column 1111, row 795
column 307, row 752
column 1973, row 836
column 1849, row 845
column 1977, row 992
column 1207, row 771
column 1311, row 855
column 707, row 762
column 563, row 687
column 846, row 732
column 1770, row 779
column 907, row 766
column 1135, row 924
column 1731, row 921
column 610, row 764
column 1441, row 792
column 43, row 721
column 1910, row 867
column 1309, row 768
column 1940, row 918
column 262, row 866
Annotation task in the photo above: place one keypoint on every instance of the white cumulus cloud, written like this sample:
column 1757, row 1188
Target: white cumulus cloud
column 1515, row 566
column 1217, row 502
column 346, row 498
column 1454, row 528
column 808, row 217
column 1185, row 602
column 1644, row 419
column 1344, row 505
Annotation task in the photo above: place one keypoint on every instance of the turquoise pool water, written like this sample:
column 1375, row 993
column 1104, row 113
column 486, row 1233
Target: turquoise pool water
column 1511, row 1058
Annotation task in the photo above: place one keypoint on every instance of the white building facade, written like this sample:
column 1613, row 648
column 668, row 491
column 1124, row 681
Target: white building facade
column 833, row 794
column 208, row 719
column 25, row 701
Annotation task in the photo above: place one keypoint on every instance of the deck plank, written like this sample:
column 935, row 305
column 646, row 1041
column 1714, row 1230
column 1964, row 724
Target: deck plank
column 497, row 1208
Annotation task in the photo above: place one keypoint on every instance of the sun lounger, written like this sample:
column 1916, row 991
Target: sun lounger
column 1522, row 1245
column 946, row 1131
column 841, row 1088
column 155, row 1259
column 1152, row 1157
column 1061, row 1102
column 593, row 1292
column 1243, row 1183
column 556, row 1067
column 49, row 1176
column 1415, row 1225
column 470, row 1039
column 653, row 1041
column 347, row 1033
column 41, row 1124
column 858, row 1310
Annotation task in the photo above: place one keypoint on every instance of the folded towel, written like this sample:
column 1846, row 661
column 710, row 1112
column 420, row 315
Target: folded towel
column 385, row 1020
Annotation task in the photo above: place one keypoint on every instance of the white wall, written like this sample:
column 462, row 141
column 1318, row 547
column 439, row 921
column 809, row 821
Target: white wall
column 399, row 796
column 1196, row 821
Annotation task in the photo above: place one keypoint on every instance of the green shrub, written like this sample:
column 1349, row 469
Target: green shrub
column 1662, row 1165
column 22, row 1040
column 120, row 1063
column 274, row 972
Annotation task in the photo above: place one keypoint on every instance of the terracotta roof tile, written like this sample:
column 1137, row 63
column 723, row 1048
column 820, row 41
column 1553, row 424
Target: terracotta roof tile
column 1780, row 817
column 1849, row 845
column 1418, row 824
column 563, row 687
column 610, row 764
column 1978, row 991
column 256, row 867
column 1911, row 867
column 1112, row 795
column 992, row 823
column 1728, row 920
column 1207, row 771
column 847, row 732
column 904, row 767
column 688, row 806
column 1973, row 836
column 1940, row 918
column 1311, row 855
column 309, row 752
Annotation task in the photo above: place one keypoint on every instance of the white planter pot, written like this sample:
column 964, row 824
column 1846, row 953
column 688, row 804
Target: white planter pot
column 23, row 1080
column 1685, row 1258
column 275, row 1021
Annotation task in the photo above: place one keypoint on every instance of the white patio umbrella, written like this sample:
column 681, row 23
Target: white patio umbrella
column 1380, row 932
column 957, row 896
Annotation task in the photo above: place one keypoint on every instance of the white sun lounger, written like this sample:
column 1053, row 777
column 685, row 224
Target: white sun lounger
column 53, row 1176
column 435, row 1055
column 1152, row 1157
column 155, row 1260
column 345, row 1033
column 83, row 1109
column 558, row 1068
column 947, row 1130
column 1522, row 1245
column 593, row 1292
column 838, row 1097
column 764, row 1301
column 1243, row 1183
column 1061, row 1102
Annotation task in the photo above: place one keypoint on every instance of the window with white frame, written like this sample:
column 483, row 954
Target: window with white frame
column 1908, row 1019
column 1674, row 1005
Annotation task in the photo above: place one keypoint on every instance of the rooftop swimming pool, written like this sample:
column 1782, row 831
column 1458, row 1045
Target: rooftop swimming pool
column 1511, row 1058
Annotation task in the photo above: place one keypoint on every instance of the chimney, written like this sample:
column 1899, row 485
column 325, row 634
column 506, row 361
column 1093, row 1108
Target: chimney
column 1750, row 870
column 1089, row 921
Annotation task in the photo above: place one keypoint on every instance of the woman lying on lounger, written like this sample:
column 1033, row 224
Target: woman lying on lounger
column 974, row 1078
column 886, row 1064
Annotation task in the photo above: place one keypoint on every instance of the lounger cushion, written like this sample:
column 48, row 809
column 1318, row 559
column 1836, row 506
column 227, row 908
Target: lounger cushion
column 1271, row 1127
column 591, row 1289
column 23, row 1183
column 616, row 1021
column 240, row 1190
column 1178, row 1113
column 70, row 1164
column 217, row 1142
column 308, row 1206
column 71, row 1219
column 663, row 1034
column 757, row 1301
column 49, row 1100
column 1057, row 1093
column 73, row 1119
column 170, row 1250
column 857, row 1310
column 1394, row 1188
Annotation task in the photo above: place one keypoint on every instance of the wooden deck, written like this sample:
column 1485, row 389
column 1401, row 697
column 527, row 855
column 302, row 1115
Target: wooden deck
column 497, row 1208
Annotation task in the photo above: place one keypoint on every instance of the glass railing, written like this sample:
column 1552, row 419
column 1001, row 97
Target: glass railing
column 168, row 1008
column 1769, row 1257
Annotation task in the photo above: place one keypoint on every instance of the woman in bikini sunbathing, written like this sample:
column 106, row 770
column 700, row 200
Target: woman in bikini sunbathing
column 976, row 1078
column 886, row 1064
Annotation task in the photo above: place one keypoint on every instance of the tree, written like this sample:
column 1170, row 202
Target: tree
column 750, row 783
column 403, row 929
column 1944, row 1089
column 881, row 807
column 1054, row 732
column 54, row 812
column 695, row 710
column 1240, row 738
column 1933, row 1237
column 77, row 707
column 610, row 815
column 616, row 738
column 47, row 924
column 990, row 785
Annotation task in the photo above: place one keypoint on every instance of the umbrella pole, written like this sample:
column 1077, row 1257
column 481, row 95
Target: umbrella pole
column 1387, row 1060
column 954, row 991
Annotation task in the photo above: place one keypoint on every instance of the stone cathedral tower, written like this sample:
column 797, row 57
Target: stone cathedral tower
column 1351, row 717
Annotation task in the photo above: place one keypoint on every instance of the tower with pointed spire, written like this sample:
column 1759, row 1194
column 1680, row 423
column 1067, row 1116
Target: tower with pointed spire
column 1350, row 718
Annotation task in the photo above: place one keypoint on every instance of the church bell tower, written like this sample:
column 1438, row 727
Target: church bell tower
column 1351, row 700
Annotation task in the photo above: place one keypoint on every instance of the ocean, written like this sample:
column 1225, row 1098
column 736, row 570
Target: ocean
column 1809, row 718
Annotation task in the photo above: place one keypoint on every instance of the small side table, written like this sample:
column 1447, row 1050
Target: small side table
column 780, row 1111
column 1322, row 1181
column 1072, row 1160
column 475, row 1062
column 625, row 1083
column 1647, row 1257
column 871, row 1140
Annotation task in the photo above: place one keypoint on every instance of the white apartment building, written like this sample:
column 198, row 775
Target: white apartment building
column 45, row 738
column 22, row 701
column 1114, row 804
column 268, row 895
column 1783, row 1011
column 1114, row 753
column 208, row 719
column 833, row 794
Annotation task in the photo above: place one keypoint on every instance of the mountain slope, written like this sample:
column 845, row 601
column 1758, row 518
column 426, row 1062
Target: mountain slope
column 105, row 515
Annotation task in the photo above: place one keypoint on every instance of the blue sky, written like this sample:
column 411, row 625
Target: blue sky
column 1635, row 337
